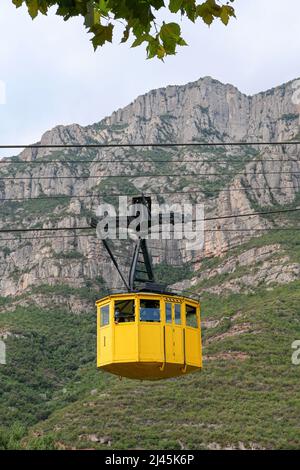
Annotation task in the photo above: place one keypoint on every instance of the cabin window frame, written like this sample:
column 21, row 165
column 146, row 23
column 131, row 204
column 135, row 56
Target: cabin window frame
column 125, row 318
column 169, row 318
column 189, row 316
column 107, row 318
column 176, row 318
column 149, row 320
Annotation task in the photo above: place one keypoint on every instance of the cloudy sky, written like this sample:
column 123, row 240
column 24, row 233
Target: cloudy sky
column 49, row 73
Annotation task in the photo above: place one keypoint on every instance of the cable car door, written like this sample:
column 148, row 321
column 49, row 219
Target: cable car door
column 174, row 333
column 104, row 335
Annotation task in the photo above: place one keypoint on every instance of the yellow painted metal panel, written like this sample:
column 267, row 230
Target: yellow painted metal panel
column 200, row 332
column 174, row 344
column 148, row 370
column 98, row 337
column 151, row 342
column 125, row 342
column 169, row 346
column 105, row 344
column 178, row 345
column 192, row 346
column 105, row 339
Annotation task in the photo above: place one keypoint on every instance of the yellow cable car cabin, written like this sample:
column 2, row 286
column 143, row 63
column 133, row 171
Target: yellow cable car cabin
column 146, row 333
column 148, row 336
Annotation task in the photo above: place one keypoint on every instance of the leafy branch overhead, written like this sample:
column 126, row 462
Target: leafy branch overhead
column 137, row 17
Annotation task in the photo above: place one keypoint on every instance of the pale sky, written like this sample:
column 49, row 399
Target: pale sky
column 50, row 74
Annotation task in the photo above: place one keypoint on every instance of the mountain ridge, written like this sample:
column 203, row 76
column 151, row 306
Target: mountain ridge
column 192, row 84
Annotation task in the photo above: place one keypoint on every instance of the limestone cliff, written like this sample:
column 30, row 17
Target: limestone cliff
column 227, row 180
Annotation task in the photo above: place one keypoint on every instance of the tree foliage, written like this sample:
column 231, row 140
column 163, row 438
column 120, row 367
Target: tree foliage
column 137, row 17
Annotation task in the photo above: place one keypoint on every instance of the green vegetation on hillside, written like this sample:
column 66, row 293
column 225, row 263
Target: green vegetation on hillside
column 168, row 274
column 53, row 391
column 34, row 207
column 45, row 350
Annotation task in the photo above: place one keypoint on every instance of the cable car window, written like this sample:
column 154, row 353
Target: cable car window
column 168, row 313
column 124, row 311
column 191, row 316
column 104, row 315
column 177, row 314
column 149, row 310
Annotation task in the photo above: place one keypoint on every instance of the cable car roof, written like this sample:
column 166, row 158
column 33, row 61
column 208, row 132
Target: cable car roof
column 169, row 295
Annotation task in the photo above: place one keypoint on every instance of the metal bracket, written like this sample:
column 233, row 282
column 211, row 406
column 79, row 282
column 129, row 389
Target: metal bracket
column 139, row 249
column 115, row 263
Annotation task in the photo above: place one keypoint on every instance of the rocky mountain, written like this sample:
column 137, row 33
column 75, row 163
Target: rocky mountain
column 227, row 180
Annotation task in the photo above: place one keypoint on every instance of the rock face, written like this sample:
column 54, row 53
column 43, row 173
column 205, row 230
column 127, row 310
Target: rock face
column 227, row 180
column 208, row 107
column 245, row 272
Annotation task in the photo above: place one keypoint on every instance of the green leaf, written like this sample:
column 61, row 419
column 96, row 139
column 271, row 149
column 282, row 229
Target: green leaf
column 157, row 4
column 205, row 13
column 139, row 40
column 33, row 8
column 225, row 13
column 170, row 36
column 154, row 48
column 104, row 6
column 189, row 6
column 102, row 34
column 181, row 42
column 137, row 28
column 170, row 31
column 160, row 52
column 175, row 5
column 18, row 3
column 43, row 6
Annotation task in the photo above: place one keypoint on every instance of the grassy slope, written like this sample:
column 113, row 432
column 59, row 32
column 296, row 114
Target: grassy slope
column 252, row 401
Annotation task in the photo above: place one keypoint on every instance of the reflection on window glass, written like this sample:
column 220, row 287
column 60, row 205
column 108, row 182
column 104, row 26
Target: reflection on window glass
column 168, row 313
column 191, row 316
column 104, row 315
column 124, row 311
column 149, row 310
column 177, row 314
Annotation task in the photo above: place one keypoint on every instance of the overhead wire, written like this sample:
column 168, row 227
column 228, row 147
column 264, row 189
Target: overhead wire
column 154, row 175
column 80, row 235
column 149, row 144
column 231, row 159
